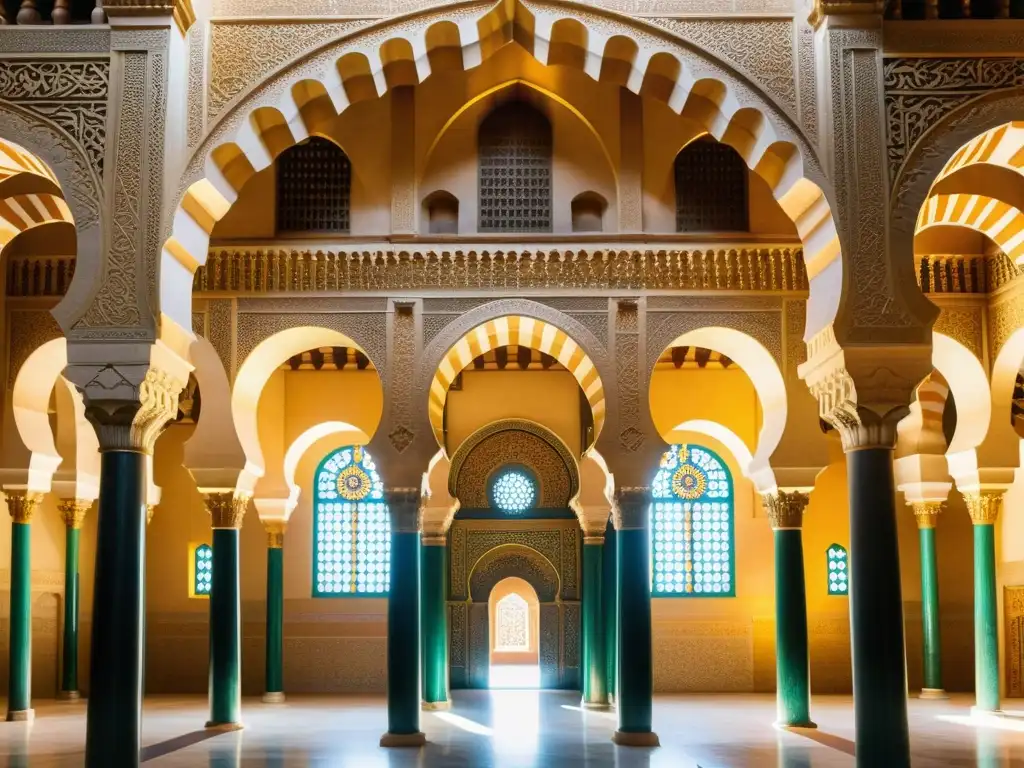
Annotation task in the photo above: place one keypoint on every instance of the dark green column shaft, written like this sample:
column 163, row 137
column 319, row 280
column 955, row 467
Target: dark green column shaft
column 635, row 693
column 116, row 652
column 926, row 513
column 792, row 662
column 610, row 616
column 876, row 612
column 225, row 631
column 434, row 623
column 595, row 668
column 404, row 643
column 21, row 505
column 986, row 637
column 275, row 617
column 73, row 513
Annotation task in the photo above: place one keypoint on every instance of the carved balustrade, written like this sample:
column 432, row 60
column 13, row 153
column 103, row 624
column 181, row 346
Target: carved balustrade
column 301, row 268
column 59, row 12
column 965, row 274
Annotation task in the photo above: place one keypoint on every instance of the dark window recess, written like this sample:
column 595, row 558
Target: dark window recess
column 515, row 170
column 313, row 183
column 711, row 188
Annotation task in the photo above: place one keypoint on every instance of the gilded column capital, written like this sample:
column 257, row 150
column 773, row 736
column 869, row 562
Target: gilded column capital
column 632, row 509
column 983, row 506
column 22, row 504
column 786, row 508
column 404, row 508
column 150, row 510
column 927, row 513
column 275, row 533
column 73, row 511
column 227, row 509
column 128, row 405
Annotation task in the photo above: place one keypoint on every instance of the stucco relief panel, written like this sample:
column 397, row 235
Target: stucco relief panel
column 486, row 458
column 28, row 330
column 963, row 323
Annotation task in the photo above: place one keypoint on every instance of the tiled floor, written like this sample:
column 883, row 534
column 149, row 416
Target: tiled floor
column 514, row 729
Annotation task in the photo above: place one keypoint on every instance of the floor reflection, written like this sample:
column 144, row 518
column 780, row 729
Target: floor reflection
column 514, row 676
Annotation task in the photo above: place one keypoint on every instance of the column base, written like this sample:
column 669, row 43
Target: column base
column 417, row 739
column 636, row 739
column 21, row 715
column 997, row 714
column 933, row 693
column 436, row 706
column 808, row 724
column 595, row 706
column 273, row 697
column 69, row 695
column 223, row 727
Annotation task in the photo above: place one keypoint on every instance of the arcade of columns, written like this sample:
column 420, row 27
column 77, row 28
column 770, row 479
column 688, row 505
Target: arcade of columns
column 879, row 374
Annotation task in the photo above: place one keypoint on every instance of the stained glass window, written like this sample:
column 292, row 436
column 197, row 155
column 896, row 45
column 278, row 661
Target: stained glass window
column 513, row 491
column 202, row 570
column 838, row 571
column 692, row 543
column 512, row 624
column 351, row 527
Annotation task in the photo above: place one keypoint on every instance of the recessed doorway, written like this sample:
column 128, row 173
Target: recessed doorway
column 514, row 617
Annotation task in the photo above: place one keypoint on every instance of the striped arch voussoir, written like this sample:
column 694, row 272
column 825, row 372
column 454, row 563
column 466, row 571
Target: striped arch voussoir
column 998, row 220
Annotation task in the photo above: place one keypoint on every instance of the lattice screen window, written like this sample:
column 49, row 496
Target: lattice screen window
column 313, row 183
column 711, row 188
column 512, row 624
column 838, row 571
column 515, row 170
column 202, row 571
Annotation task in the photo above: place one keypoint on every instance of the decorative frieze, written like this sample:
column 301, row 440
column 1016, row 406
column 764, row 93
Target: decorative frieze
column 312, row 268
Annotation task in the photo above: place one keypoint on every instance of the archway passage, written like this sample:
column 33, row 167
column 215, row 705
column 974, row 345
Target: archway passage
column 525, row 333
column 514, row 614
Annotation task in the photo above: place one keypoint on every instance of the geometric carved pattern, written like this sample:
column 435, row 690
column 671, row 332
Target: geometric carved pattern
column 515, row 170
column 513, row 442
column 920, row 92
column 513, row 560
column 1013, row 602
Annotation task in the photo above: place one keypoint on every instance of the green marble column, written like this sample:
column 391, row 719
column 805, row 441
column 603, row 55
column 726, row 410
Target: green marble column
column 876, row 600
column 927, row 514
column 227, row 511
column 404, row 643
column 594, row 666
column 792, row 664
column 610, row 616
column 116, row 659
column 635, row 691
column 984, row 509
column 72, row 512
column 22, row 505
column 434, row 622
column 274, row 675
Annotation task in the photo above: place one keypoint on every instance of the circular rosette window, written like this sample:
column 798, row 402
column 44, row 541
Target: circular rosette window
column 514, row 491
column 354, row 484
column 689, row 482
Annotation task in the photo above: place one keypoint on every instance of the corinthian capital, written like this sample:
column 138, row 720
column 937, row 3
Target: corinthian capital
column 73, row 511
column 786, row 508
column 22, row 504
column 927, row 513
column 128, row 402
column 404, row 508
column 632, row 509
column 227, row 508
column 983, row 506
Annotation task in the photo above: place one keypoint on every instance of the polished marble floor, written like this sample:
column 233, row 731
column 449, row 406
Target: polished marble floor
column 514, row 729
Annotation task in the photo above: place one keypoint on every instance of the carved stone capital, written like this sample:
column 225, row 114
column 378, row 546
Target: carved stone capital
column 927, row 513
column 73, row 511
column 129, row 405
column 404, row 508
column 786, row 508
column 632, row 509
column 983, row 506
column 150, row 511
column 227, row 508
column 275, row 533
column 22, row 504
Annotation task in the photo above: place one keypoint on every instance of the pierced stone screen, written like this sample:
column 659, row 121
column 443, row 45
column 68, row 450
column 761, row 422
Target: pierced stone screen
column 711, row 188
column 515, row 170
column 313, row 183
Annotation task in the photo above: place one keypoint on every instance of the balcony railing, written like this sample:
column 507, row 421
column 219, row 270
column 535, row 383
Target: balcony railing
column 965, row 274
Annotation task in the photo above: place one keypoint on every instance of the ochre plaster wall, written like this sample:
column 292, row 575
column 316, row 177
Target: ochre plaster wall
column 550, row 398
